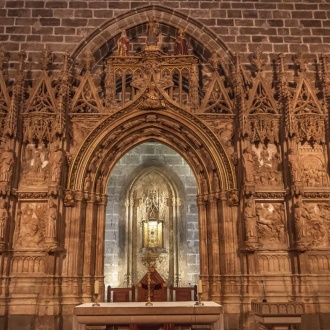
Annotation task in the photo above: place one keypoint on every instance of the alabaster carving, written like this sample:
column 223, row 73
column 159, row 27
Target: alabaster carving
column 250, row 220
column 311, row 224
column 3, row 220
column 267, row 166
column 271, row 224
column 35, row 165
column 32, row 225
column 51, row 226
column 6, row 164
column 248, row 164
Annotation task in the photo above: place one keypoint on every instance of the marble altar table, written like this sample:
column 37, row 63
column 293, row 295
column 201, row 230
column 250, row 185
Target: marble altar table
column 126, row 313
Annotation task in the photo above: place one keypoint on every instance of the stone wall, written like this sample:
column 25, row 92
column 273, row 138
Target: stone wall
column 278, row 26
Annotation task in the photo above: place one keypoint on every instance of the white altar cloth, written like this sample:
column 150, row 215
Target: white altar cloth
column 185, row 312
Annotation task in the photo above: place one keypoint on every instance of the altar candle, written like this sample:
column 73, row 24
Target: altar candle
column 96, row 287
column 200, row 286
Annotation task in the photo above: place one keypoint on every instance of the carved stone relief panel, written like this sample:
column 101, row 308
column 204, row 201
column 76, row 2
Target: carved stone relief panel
column 271, row 225
column 35, row 165
column 30, row 228
column 267, row 166
column 312, row 223
column 314, row 166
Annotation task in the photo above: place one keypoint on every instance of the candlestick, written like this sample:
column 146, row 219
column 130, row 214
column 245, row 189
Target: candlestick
column 96, row 287
column 96, row 293
column 200, row 286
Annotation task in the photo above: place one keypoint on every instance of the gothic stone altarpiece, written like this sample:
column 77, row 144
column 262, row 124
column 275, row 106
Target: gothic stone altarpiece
column 258, row 147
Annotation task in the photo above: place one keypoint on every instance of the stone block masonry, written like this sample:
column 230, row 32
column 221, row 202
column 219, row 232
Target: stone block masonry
column 277, row 26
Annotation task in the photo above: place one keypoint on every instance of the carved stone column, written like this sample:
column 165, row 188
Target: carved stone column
column 203, row 241
column 213, row 226
column 99, row 240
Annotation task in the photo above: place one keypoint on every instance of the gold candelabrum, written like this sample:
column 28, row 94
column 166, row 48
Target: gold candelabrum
column 149, row 261
column 149, row 303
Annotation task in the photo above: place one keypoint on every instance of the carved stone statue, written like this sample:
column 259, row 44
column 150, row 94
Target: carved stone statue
column 6, row 165
column 56, row 161
column 294, row 165
column 3, row 219
column 300, row 218
column 271, row 226
column 250, row 218
column 31, row 228
column 51, row 221
column 248, row 164
column 181, row 44
column 152, row 32
column 123, row 44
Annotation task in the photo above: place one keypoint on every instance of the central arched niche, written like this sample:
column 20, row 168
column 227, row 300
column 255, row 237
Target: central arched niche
column 151, row 182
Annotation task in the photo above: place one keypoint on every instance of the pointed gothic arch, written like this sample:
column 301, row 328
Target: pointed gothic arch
column 102, row 41
column 118, row 133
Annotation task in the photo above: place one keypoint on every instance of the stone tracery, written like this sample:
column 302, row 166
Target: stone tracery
column 153, row 102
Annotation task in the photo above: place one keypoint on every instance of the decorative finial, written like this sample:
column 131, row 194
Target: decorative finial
column 45, row 59
column 88, row 59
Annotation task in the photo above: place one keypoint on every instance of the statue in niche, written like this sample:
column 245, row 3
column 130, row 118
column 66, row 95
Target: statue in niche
column 293, row 159
column 88, row 183
column 314, row 173
column 6, row 164
column 56, row 161
column 300, row 219
column 181, row 43
column 271, row 225
column 51, row 226
column 250, row 218
column 248, row 164
column 51, row 220
column 123, row 44
column 3, row 218
column 152, row 32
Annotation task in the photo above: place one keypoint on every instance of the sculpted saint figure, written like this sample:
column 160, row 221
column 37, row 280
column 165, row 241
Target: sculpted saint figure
column 3, row 218
column 152, row 32
column 123, row 44
column 294, row 165
column 6, row 165
column 250, row 219
column 248, row 164
column 52, row 218
column 300, row 218
column 56, row 161
column 181, row 44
